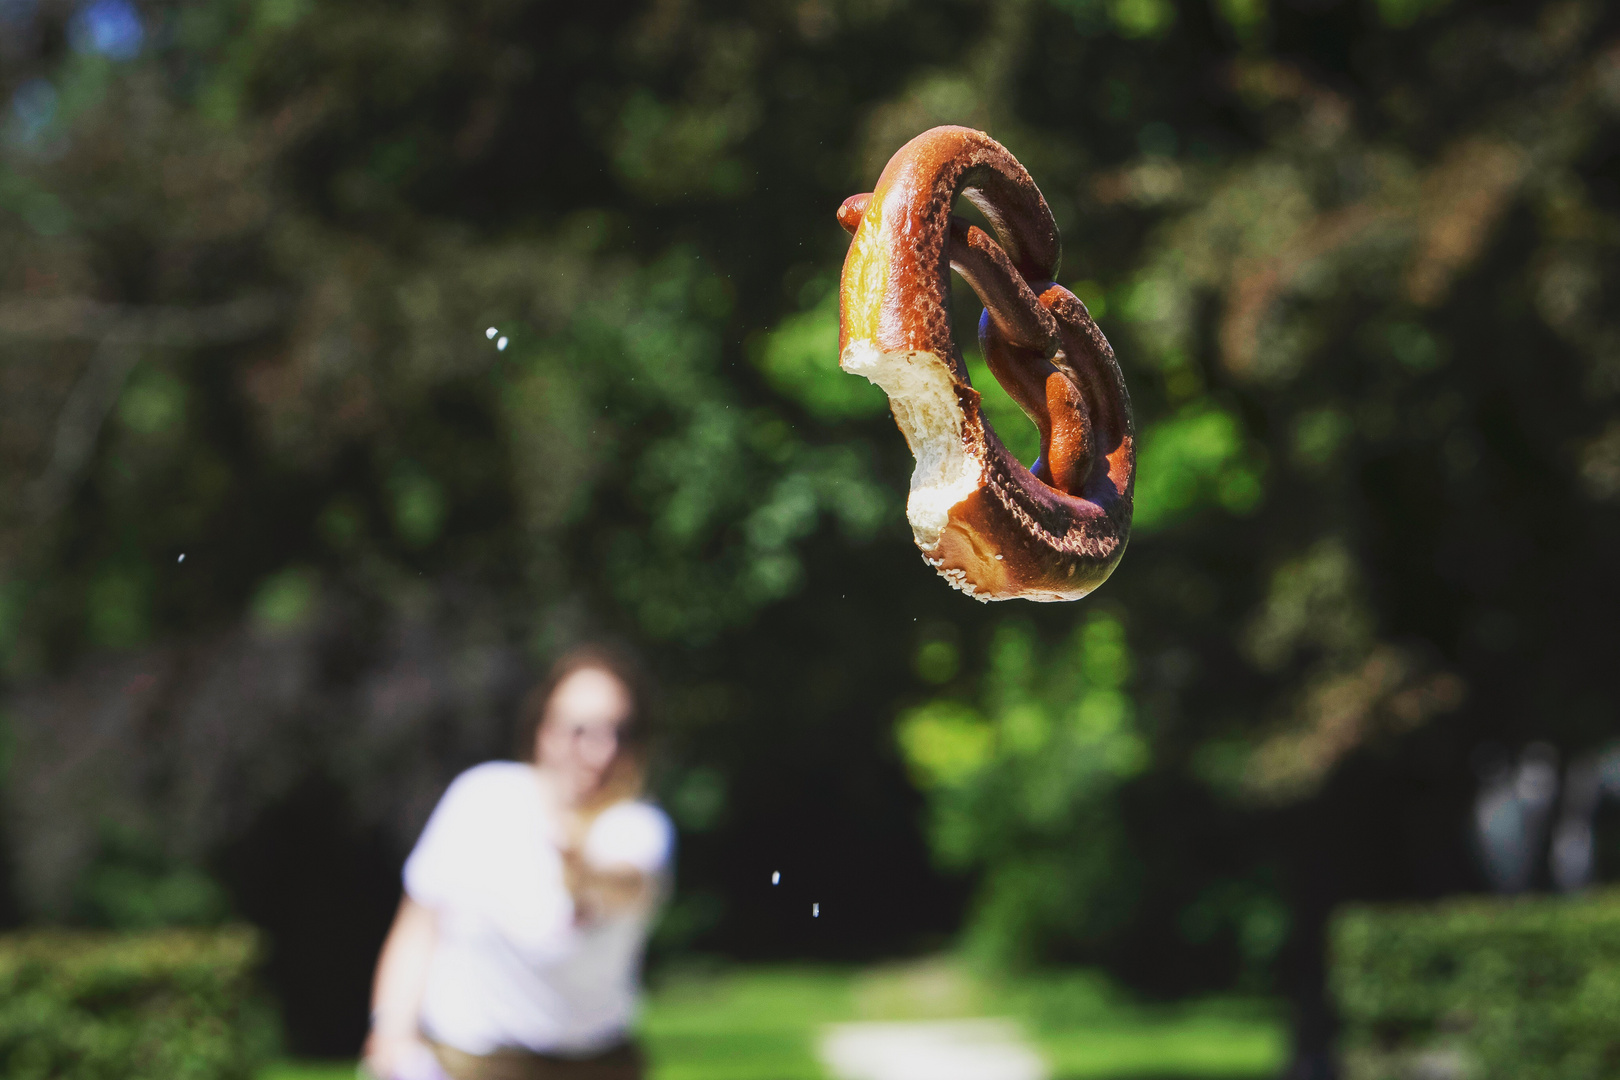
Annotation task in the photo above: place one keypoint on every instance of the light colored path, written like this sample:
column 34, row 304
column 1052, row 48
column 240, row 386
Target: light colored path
column 930, row 1050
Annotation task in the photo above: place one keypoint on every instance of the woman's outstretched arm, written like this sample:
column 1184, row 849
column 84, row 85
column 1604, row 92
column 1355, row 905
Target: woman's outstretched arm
column 397, row 988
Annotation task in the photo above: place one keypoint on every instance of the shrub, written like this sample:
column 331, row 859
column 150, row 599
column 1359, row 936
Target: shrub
column 1525, row 988
column 166, row 1005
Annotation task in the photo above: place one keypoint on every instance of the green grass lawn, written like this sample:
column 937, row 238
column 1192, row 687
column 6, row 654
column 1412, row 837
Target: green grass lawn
column 762, row 1024
column 1084, row 1027
column 750, row 1024
column 310, row 1070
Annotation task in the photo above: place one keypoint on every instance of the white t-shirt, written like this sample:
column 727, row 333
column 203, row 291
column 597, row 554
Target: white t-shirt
column 511, row 969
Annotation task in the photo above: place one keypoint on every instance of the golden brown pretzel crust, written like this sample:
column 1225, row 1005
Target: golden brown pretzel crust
column 992, row 527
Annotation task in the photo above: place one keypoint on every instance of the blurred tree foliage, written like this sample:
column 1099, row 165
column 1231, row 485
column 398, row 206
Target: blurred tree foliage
column 1358, row 259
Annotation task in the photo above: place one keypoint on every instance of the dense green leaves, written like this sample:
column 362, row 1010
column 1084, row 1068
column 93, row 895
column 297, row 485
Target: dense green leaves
column 173, row 1005
column 793, row 359
column 1018, row 773
column 718, row 491
column 1197, row 457
column 1494, row 989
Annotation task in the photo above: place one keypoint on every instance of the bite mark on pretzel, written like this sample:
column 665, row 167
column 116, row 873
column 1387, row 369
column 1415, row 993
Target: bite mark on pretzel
column 992, row 527
column 923, row 398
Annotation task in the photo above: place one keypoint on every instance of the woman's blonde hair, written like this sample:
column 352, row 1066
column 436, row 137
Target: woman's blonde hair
column 626, row 775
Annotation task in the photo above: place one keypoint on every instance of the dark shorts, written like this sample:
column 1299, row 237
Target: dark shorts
column 623, row 1062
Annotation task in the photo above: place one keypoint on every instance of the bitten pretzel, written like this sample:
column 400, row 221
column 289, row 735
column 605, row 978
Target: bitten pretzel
column 993, row 528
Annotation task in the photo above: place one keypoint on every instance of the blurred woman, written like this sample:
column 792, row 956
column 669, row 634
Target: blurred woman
column 516, row 952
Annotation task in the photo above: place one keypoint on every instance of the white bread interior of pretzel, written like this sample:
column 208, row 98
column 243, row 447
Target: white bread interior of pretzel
column 923, row 397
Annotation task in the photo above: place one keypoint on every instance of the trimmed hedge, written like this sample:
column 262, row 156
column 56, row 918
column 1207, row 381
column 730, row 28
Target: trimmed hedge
column 166, row 1005
column 1527, row 988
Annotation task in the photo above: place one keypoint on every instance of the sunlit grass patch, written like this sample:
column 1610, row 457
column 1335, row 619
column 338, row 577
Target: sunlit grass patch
column 749, row 1024
column 1084, row 1027
column 762, row 1023
column 1188, row 1045
column 310, row 1070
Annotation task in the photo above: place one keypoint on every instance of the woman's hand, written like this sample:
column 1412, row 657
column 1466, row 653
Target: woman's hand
column 601, row 892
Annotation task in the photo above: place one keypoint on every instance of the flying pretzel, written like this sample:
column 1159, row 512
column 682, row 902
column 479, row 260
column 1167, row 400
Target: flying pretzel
column 993, row 528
